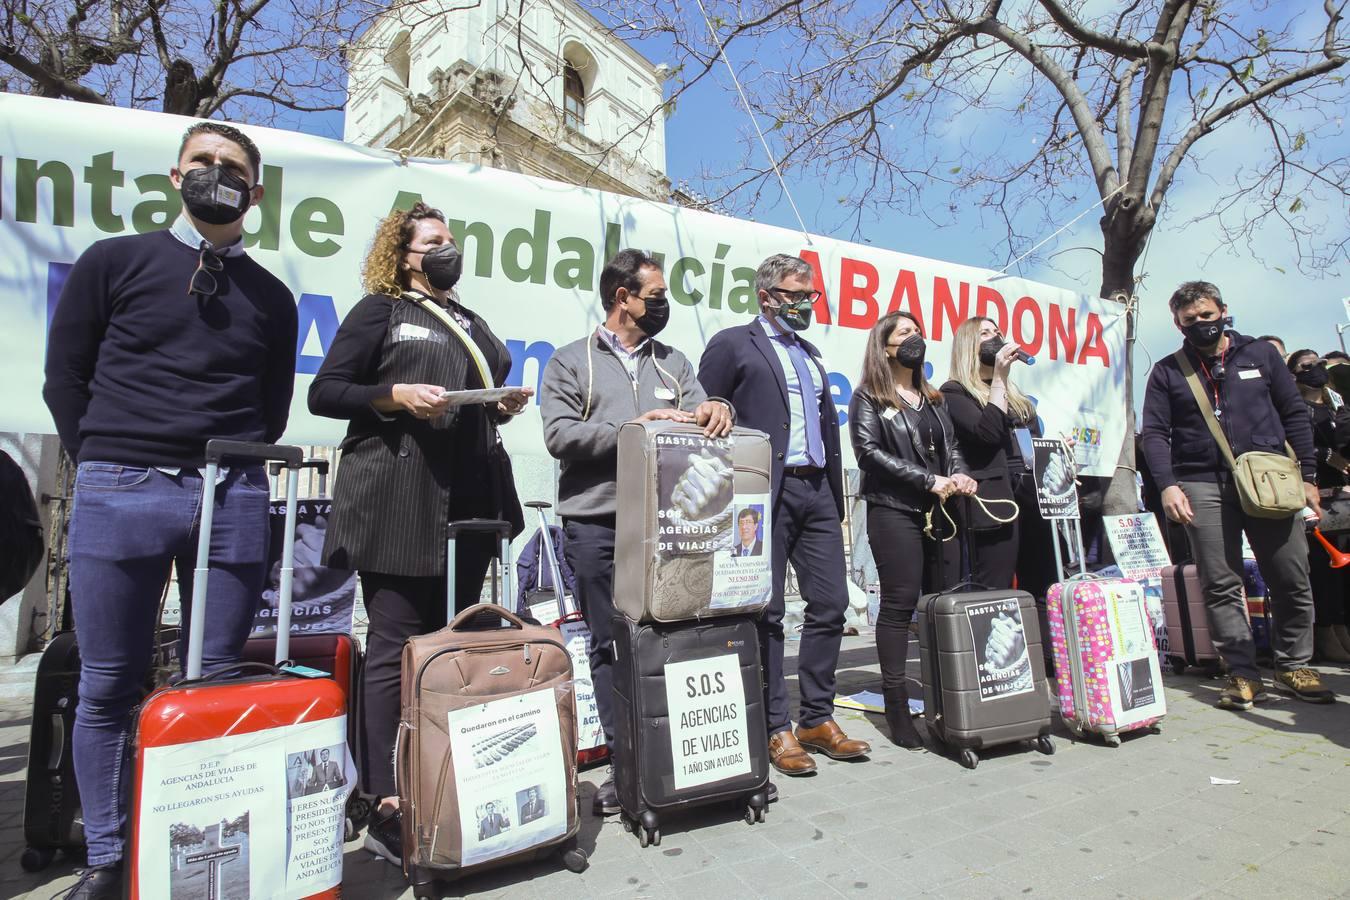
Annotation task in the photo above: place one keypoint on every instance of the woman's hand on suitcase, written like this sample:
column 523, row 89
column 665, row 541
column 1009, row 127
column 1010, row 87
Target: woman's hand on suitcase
column 1177, row 505
column 421, row 401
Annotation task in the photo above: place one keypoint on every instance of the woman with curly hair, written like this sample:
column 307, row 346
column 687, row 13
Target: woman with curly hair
column 411, row 463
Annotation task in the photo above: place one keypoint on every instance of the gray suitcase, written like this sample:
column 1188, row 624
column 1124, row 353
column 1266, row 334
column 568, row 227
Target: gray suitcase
column 680, row 499
column 983, row 671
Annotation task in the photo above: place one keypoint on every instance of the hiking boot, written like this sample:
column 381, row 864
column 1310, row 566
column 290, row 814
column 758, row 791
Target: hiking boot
column 1240, row 693
column 1305, row 684
column 384, row 836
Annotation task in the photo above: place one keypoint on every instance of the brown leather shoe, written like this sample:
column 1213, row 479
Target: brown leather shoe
column 788, row 756
column 829, row 738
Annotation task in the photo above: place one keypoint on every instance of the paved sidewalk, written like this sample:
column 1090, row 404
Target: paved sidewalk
column 1139, row 821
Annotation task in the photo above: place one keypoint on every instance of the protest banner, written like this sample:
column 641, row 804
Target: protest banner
column 73, row 174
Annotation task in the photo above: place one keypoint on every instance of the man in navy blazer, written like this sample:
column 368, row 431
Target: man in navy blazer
column 777, row 384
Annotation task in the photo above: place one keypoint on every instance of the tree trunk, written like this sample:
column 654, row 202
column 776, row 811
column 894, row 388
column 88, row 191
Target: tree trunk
column 1125, row 228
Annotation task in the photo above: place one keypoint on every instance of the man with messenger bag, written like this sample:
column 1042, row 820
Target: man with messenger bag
column 1229, row 442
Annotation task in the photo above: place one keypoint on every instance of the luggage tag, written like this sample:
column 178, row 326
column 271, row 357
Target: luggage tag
column 1023, row 437
column 305, row 671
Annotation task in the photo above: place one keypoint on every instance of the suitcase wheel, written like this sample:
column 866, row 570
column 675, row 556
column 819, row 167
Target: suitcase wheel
column 969, row 758
column 573, row 858
column 753, row 814
column 1112, row 740
column 423, row 884
column 1045, row 745
column 1177, row 664
column 35, row 859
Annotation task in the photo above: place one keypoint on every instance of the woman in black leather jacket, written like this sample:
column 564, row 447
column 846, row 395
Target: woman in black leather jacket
column 910, row 461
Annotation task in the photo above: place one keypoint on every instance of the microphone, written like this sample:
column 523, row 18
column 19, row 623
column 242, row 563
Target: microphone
column 1025, row 357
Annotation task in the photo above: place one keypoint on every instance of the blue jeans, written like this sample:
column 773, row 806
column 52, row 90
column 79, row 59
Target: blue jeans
column 128, row 525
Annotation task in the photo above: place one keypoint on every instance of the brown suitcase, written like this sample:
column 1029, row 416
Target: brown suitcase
column 681, row 496
column 486, row 757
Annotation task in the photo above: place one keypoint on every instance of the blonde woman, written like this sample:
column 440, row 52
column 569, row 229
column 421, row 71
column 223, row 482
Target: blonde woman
column 987, row 411
column 411, row 464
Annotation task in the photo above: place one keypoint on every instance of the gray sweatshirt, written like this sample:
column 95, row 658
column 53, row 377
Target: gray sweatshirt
column 587, row 442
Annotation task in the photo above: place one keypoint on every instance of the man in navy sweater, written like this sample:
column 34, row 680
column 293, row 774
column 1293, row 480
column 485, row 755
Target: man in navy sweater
column 1251, row 393
column 160, row 342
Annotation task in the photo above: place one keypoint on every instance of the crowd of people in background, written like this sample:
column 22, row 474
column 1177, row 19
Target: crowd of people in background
column 163, row 340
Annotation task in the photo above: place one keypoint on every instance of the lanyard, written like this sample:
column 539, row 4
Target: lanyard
column 1218, row 411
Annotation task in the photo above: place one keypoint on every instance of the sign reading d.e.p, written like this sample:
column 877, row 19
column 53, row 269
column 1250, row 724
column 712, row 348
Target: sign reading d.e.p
column 709, row 739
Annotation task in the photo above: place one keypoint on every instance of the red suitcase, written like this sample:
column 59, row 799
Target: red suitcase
column 236, row 791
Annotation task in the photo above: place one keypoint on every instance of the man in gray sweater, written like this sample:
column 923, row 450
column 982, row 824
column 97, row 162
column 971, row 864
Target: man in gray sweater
column 619, row 373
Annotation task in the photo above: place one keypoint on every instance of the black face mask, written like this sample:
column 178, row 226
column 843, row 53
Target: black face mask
column 442, row 266
column 910, row 353
column 214, row 195
column 1206, row 333
column 655, row 318
column 1316, row 377
column 989, row 350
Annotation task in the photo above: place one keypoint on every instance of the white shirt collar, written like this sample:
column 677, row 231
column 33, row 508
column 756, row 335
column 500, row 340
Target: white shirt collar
column 185, row 231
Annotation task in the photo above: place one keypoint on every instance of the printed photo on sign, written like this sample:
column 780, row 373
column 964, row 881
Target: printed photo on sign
column 1000, row 643
column 709, row 737
column 315, row 771
column 209, row 860
column 506, row 754
column 530, row 804
column 1056, row 489
column 323, row 598
column 1135, row 678
column 743, row 572
column 694, row 494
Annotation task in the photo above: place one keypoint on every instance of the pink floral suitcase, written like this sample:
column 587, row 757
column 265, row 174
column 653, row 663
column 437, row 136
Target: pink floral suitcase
column 1105, row 657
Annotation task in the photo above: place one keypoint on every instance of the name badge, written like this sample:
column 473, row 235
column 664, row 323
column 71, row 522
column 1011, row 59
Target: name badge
column 889, row 413
column 410, row 332
column 1249, row 373
column 664, row 393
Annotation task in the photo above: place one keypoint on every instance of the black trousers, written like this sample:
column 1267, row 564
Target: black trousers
column 993, row 555
column 1329, row 586
column 589, row 550
column 806, row 530
column 908, row 565
column 399, row 607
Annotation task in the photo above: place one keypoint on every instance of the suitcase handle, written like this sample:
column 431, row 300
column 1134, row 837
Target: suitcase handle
column 217, row 450
column 317, row 463
column 241, row 668
column 459, row 622
column 495, row 526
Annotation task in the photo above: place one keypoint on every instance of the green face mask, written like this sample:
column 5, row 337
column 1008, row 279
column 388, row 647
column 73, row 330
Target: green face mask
column 795, row 316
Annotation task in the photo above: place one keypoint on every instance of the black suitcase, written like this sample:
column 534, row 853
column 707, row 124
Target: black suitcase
column 697, row 684
column 982, row 689
column 52, row 815
column 51, row 808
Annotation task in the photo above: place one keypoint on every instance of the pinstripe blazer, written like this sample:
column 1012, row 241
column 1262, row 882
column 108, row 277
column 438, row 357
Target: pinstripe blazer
column 402, row 479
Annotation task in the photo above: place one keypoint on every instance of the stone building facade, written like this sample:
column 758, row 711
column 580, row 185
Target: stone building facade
column 544, row 92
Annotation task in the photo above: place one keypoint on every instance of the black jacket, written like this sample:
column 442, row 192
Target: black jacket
column 892, row 469
column 984, row 433
column 402, row 480
column 740, row 365
column 1261, row 410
